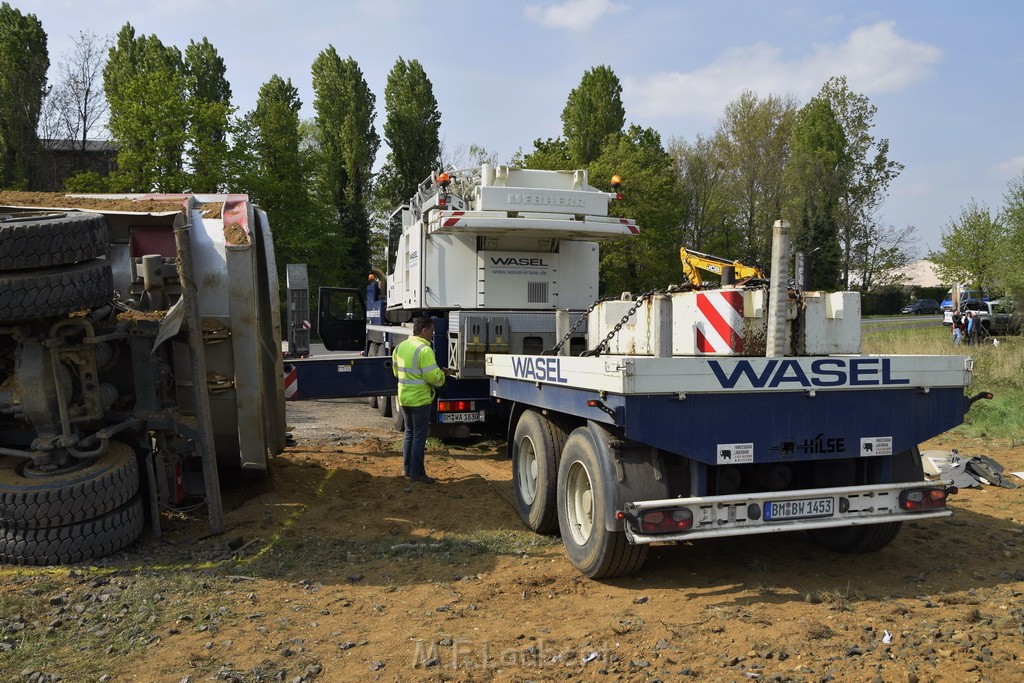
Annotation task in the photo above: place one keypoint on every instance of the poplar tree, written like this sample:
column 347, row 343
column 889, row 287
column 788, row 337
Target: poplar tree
column 592, row 112
column 145, row 83
column 209, row 114
column 817, row 177
column 411, row 129
column 23, row 63
column 346, row 148
column 272, row 172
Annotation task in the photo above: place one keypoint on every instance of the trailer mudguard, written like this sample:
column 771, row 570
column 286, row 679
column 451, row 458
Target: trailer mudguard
column 629, row 471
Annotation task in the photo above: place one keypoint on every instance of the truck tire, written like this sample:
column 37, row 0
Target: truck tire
column 857, row 539
column 73, row 542
column 106, row 484
column 582, row 509
column 30, row 294
column 536, row 445
column 53, row 240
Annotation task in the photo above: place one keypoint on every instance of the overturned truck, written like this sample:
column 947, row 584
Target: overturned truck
column 140, row 349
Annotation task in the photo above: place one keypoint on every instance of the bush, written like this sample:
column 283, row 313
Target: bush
column 85, row 182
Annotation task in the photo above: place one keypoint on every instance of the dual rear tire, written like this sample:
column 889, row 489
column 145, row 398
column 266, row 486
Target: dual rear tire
column 558, row 482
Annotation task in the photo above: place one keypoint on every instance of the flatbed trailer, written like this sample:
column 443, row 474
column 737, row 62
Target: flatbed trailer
column 619, row 452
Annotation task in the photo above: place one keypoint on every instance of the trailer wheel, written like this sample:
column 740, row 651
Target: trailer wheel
column 42, row 241
column 73, row 542
column 372, row 352
column 30, row 294
column 582, row 509
column 857, row 539
column 383, row 402
column 91, row 491
column 535, row 447
column 397, row 416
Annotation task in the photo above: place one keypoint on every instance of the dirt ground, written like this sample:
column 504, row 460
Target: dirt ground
column 337, row 569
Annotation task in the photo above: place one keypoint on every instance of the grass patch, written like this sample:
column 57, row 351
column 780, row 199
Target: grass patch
column 999, row 369
column 287, row 556
column 85, row 625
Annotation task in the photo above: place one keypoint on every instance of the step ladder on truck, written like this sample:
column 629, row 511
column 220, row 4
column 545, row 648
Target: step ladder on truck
column 678, row 415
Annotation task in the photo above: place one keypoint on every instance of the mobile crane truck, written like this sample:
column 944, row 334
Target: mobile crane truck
column 670, row 416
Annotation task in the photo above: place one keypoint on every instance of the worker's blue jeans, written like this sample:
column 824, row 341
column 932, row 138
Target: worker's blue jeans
column 417, row 423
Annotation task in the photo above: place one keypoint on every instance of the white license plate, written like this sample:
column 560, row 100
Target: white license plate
column 461, row 417
column 799, row 509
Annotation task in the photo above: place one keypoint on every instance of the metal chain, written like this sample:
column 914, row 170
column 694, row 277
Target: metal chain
column 558, row 347
column 601, row 347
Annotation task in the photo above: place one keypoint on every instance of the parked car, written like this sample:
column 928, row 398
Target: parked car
column 965, row 296
column 921, row 307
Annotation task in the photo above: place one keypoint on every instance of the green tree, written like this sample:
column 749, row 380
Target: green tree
column 592, row 112
column 146, row 85
column 868, row 171
column 651, row 196
column 817, row 177
column 272, row 170
column 551, row 154
column 23, row 63
column 708, row 214
column 1011, row 274
column 973, row 247
column 411, row 130
column 754, row 135
column 209, row 115
column 346, row 148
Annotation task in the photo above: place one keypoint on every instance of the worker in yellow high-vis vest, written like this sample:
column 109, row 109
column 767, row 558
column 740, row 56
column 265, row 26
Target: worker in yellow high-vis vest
column 418, row 376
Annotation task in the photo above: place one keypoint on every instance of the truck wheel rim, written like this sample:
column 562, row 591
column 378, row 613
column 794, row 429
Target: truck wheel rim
column 527, row 471
column 579, row 495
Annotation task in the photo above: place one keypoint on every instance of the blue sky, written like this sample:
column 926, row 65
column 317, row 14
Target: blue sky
column 945, row 76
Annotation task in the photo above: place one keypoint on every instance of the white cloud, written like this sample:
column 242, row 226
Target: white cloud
column 574, row 15
column 1012, row 166
column 874, row 58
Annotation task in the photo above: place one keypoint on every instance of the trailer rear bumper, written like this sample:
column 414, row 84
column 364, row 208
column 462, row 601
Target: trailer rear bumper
column 759, row 513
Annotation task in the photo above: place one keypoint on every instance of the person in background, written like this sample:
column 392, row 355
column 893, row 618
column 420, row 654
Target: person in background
column 415, row 366
column 971, row 325
column 957, row 327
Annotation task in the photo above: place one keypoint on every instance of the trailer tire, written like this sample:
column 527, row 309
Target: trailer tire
column 397, row 416
column 30, row 294
column 106, row 484
column 384, row 402
column 96, row 537
column 51, row 240
column 536, row 445
column 857, row 539
column 582, row 509
column 372, row 352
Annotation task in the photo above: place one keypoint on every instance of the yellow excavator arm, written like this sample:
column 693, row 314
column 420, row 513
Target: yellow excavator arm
column 695, row 261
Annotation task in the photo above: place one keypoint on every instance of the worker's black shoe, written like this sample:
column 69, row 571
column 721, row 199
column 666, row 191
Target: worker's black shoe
column 424, row 479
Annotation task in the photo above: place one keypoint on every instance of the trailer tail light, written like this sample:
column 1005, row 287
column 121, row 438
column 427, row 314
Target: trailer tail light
column 665, row 521
column 919, row 500
column 455, row 406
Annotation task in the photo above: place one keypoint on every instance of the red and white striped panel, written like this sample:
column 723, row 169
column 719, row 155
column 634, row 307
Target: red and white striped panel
column 291, row 383
column 453, row 221
column 720, row 323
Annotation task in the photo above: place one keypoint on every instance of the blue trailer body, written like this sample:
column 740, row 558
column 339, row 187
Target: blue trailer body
column 785, row 427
